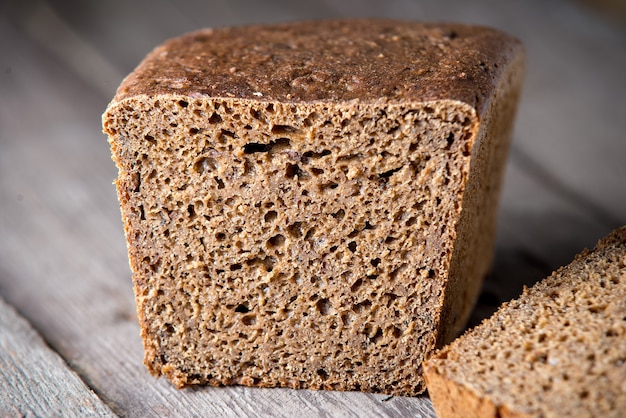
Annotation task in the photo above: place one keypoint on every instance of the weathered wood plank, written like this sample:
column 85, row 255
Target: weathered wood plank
column 34, row 380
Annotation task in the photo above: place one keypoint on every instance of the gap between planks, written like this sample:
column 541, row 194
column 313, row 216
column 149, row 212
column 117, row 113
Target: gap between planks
column 34, row 380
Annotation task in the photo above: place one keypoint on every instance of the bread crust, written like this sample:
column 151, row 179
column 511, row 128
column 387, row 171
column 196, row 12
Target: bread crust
column 382, row 60
column 453, row 400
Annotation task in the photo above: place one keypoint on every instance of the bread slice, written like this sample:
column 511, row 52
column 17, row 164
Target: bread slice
column 557, row 351
column 311, row 204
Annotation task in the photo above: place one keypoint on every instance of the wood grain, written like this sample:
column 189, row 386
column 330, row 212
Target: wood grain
column 34, row 380
column 63, row 259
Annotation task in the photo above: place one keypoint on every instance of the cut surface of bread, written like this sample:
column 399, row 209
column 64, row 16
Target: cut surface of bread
column 557, row 351
column 311, row 204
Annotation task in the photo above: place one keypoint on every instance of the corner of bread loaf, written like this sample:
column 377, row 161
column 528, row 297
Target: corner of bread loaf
column 476, row 226
column 452, row 399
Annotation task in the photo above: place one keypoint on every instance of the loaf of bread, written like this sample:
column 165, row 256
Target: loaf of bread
column 557, row 351
column 311, row 204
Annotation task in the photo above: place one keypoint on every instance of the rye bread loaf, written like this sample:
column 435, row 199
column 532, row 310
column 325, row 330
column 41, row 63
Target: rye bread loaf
column 311, row 204
column 557, row 351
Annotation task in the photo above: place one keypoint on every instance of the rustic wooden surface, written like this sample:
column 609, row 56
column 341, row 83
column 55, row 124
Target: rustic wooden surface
column 63, row 262
column 35, row 380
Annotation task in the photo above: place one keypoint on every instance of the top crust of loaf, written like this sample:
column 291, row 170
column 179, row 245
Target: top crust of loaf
column 380, row 60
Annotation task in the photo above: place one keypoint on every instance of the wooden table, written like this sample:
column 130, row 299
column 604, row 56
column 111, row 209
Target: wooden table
column 69, row 339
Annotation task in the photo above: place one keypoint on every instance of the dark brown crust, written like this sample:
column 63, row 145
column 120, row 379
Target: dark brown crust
column 476, row 229
column 332, row 61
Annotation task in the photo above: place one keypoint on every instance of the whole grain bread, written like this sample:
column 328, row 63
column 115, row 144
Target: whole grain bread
column 311, row 204
column 557, row 351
